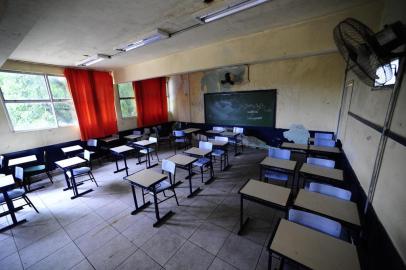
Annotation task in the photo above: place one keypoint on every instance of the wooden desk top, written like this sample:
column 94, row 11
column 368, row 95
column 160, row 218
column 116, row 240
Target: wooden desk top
column 69, row 162
column 335, row 174
column 279, row 163
column 121, row 149
column 197, row 152
column 132, row 137
column 297, row 146
column 182, row 160
column 191, row 130
column 229, row 134
column 22, row 160
column 314, row 249
column 144, row 143
column 218, row 143
column 324, row 149
column 71, row 148
column 338, row 209
column 146, row 178
column 267, row 192
column 110, row 139
column 6, row 181
column 214, row 131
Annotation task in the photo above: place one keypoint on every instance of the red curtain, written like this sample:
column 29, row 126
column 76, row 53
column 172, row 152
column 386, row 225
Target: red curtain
column 152, row 106
column 93, row 96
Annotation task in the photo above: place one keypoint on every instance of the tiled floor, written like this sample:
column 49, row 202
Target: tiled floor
column 97, row 231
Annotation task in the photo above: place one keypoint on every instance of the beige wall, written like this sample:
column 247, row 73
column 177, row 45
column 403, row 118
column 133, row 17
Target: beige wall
column 308, row 91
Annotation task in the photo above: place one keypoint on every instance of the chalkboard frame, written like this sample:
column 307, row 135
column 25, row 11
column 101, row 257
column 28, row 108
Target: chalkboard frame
column 273, row 91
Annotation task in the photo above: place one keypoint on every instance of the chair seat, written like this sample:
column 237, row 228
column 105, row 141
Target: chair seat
column 36, row 168
column 13, row 194
column 78, row 171
column 276, row 176
column 145, row 151
column 162, row 186
column 218, row 152
column 180, row 140
column 201, row 162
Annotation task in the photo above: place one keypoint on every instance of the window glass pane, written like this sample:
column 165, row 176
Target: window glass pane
column 128, row 108
column 125, row 90
column 65, row 113
column 17, row 86
column 26, row 116
column 59, row 87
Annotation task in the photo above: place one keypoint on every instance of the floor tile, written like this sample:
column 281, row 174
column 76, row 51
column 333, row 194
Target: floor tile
column 83, row 225
column 141, row 261
column 190, row 256
column 112, row 254
column 83, row 265
column 141, row 230
column 183, row 224
column 11, row 262
column 219, row 264
column 95, row 238
column 7, row 247
column 163, row 245
column 210, row 237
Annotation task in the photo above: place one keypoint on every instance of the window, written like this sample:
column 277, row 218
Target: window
column 36, row 101
column 380, row 74
column 127, row 100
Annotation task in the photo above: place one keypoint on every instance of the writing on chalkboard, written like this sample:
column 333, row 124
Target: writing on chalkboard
column 246, row 108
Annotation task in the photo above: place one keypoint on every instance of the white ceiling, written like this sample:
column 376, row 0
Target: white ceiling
column 67, row 30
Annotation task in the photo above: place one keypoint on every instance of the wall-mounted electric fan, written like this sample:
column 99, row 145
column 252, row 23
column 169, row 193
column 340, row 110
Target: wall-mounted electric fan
column 369, row 54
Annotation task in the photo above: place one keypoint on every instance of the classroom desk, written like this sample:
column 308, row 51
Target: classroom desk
column 323, row 150
column 132, row 137
column 191, row 130
column 312, row 249
column 197, row 152
column 68, row 165
column 277, row 164
column 7, row 183
column 266, row 194
column 233, row 135
column 67, row 151
column 110, row 139
column 295, row 146
column 213, row 132
column 334, row 176
column 185, row 162
column 121, row 152
column 145, row 144
column 147, row 179
column 330, row 207
column 22, row 160
column 223, row 146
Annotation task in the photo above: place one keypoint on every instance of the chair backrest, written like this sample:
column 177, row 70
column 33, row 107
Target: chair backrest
column 218, row 129
column 1, row 162
column 19, row 174
column 178, row 133
column 153, row 139
column 221, row 138
column 279, row 153
column 168, row 166
column 324, row 142
column 315, row 222
column 137, row 132
column 328, row 163
column 325, row 136
column 92, row 142
column 86, row 155
column 147, row 131
column 330, row 191
column 238, row 130
column 205, row 145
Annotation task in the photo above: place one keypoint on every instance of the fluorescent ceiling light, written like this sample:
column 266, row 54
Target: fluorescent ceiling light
column 154, row 37
column 93, row 59
column 230, row 10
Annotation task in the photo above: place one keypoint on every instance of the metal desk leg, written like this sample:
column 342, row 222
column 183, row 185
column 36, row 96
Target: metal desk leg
column 197, row 190
column 138, row 208
column 242, row 222
column 11, row 211
column 260, row 173
column 159, row 220
column 76, row 193
column 125, row 165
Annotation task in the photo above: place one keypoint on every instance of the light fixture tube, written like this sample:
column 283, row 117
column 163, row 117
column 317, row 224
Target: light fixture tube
column 216, row 15
column 93, row 60
column 156, row 36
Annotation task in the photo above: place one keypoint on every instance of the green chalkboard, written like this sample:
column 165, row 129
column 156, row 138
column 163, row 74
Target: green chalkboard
column 241, row 108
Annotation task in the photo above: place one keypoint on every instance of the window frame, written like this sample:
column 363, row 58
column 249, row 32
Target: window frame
column 50, row 100
column 125, row 98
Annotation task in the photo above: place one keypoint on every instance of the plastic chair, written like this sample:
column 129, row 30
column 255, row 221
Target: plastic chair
column 137, row 132
column 329, row 190
column 179, row 138
column 151, row 149
column 324, row 142
column 276, row 175
column 324, row 136
column 328, row 163
column 38, row 169
column 219, row 129
column 221, row 153
column 204, row 161
column 238, row 140
column 18, row 193
column 315, row 222
column 82, row 171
